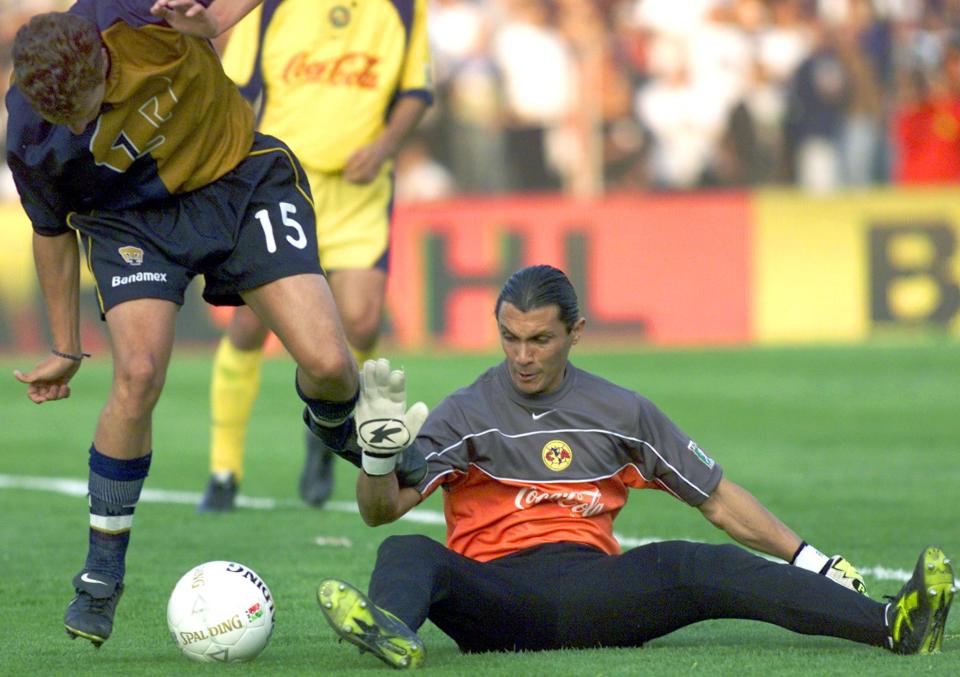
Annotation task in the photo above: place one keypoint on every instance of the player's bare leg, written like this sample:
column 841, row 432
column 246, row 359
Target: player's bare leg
column 301, row 312
column 360, row 295
column 141, row 334
column 246, row 330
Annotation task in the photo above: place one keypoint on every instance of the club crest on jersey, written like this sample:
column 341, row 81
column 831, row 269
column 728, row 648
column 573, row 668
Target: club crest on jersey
column 132, row 255
column 339, row 16
column 557, row 455
column 698, row 452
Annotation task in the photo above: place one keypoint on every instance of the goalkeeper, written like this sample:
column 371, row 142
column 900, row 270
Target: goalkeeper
column 535, row 459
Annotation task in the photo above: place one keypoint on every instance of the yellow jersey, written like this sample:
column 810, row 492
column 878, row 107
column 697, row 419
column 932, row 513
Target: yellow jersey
column 325, row 73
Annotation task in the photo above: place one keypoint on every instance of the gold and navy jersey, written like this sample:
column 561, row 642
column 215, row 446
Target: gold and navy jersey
column 171, row 122
column 520, row 470
column 326, row 72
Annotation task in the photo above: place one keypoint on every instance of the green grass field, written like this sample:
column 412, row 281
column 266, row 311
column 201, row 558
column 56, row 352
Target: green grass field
column 856, row 448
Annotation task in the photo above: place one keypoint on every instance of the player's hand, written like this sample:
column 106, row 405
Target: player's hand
column 49, row 379
column 385, row 426
column 187, row 16
column 841, row 571
column 364, row 165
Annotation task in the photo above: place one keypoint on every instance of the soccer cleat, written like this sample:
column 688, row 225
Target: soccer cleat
column 90, row 614
column 316, row 480
column 359, row 621
column 917, row 616
column 220, row 496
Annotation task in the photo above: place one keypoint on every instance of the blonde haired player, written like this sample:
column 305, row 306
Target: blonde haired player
column 343, row 83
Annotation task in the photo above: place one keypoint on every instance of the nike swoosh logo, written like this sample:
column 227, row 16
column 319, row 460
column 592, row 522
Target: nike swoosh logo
column 85, row 577
column 537, row 417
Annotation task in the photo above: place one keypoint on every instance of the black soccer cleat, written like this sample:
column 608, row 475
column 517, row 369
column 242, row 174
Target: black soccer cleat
column 362, row 623
column 220, row 496
column 316, row 480
column 90, row 614
column 917, row 616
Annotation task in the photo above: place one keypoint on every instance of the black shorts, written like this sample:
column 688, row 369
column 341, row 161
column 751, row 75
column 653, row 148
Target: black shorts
column 251, row 226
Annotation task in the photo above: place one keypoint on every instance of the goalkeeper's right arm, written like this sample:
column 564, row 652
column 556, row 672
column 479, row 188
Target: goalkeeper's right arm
column 382, row 500
column 385, row 430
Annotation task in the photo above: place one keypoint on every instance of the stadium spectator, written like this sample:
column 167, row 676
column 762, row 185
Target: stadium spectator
column 363, row 70
column 420, row 178
column 862, row 138
column 816, row 108
column 684, row 123
column 535, row 459
column 98, row 148
column 604, row 94
column 539, row 81
column 624, row 142
column 926, row 131
column 469, row 132
column 783, row 42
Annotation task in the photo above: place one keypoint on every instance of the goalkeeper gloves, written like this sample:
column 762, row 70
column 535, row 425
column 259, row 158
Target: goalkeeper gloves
column 841, row 571
column 836, row 568
column 385, row 427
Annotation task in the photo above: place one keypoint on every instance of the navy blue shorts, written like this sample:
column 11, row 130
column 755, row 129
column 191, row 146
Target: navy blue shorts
column 251, row 226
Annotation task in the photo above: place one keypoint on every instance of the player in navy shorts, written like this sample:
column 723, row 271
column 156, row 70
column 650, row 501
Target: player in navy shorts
column 126, row 134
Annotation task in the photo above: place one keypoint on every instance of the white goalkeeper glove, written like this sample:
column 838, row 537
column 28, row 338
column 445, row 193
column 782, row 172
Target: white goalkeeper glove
column 385, row 426
column 836, row 568
column 841, row 571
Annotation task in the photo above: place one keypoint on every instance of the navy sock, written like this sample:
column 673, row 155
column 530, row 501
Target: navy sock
column 114, row 489
column 331, row 421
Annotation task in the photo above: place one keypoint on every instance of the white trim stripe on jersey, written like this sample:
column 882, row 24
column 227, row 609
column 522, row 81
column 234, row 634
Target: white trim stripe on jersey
column 555, row 431
column 598, row 478
column 432, row 484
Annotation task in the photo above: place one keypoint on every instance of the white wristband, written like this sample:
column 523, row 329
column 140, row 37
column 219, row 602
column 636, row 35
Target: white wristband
column 811, row 559
column 379, row 465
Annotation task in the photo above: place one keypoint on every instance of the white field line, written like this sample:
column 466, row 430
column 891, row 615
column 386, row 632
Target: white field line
column 72, row 487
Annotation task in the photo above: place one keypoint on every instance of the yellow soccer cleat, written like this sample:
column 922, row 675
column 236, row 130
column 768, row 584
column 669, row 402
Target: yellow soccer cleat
column 917, row 616
column 359, row 621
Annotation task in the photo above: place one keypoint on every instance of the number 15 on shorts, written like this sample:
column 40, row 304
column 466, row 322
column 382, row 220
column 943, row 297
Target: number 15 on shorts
column 286, row 209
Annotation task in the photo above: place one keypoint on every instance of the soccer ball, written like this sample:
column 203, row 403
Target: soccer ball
column 221, row 611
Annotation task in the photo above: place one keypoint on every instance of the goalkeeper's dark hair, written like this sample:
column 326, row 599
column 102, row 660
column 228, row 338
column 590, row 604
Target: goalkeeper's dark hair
column 539, row 286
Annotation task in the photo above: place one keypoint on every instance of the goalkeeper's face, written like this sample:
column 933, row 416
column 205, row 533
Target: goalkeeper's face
column 537, row 345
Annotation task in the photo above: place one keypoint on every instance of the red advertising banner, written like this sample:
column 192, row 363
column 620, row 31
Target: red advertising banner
column 659, row 269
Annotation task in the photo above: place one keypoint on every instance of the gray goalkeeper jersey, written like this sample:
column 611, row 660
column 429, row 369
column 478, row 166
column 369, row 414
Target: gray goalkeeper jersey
column 522, row 470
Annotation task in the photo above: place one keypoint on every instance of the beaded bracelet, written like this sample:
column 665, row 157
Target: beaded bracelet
column 68, row 356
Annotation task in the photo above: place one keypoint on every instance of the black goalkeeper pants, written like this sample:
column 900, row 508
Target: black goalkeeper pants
column 565, row 595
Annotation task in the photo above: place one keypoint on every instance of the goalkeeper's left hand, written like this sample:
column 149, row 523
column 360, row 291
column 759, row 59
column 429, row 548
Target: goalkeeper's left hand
column 385, row 426
column 839, row 570
column 836, row 568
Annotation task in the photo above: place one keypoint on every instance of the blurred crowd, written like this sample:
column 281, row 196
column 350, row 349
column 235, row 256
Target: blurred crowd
column 604, row 95
column 594, row 96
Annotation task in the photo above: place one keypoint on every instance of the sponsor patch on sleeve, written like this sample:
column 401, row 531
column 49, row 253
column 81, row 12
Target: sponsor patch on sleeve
column 699, row 453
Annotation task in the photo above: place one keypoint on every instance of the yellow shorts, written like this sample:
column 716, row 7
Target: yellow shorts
column 353, row 221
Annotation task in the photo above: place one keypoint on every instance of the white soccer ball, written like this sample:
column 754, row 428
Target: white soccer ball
column 221, row 612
